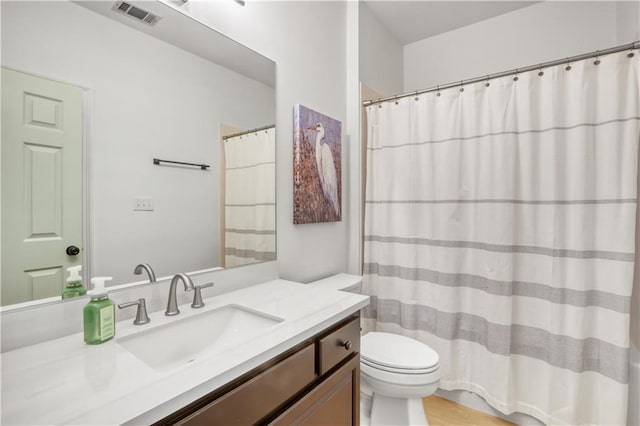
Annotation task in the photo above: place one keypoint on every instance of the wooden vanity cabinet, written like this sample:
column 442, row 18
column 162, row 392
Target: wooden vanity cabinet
column 315, row 383
column 335, row 401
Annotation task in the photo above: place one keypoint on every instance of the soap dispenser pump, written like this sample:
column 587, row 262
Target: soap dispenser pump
column 74, row 283
column 99, row 314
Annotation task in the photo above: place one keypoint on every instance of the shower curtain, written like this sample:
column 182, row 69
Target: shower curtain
column 250, row 198
column 499, row 230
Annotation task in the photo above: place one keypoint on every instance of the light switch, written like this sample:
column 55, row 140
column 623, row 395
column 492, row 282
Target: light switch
column 143, row 204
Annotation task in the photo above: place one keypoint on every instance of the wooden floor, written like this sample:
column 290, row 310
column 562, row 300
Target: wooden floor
column 442, row 412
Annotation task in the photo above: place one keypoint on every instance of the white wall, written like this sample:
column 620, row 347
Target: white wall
column 381, row 55
column 307, row 41
column 628, row 21
column 136, row 80
column 543, row 32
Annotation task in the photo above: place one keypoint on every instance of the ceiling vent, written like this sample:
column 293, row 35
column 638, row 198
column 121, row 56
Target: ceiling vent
column 135, row 12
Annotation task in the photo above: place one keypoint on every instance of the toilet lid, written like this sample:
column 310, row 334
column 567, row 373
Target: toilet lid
column 396, row 353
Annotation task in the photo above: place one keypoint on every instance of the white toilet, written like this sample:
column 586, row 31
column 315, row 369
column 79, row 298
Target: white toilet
column 396, row 371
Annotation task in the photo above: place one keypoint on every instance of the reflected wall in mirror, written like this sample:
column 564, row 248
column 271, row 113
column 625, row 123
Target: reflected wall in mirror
column 93, row 97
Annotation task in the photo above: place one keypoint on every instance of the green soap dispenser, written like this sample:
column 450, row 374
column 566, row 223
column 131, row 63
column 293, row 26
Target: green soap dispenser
column 99, row 314
column 74, row 283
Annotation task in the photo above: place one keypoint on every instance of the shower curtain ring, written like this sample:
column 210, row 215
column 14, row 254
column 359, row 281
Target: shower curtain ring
column 540, row 72
column 515, row 78
column 396, row 98
column 568, row 67
column 416, row 98
column 438, row 91
column 630, row 54
column 461, row 88
column 487, row 84
column 597, row 61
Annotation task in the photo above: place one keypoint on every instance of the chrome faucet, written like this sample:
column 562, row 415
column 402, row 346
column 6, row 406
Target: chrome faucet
column 138, row 270
column 172, row 303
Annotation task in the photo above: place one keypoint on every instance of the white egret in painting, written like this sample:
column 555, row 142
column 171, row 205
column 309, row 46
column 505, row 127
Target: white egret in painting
column 326, row 168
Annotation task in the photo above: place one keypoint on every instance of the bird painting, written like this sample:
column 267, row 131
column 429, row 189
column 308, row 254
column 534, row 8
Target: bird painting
column 326, row 168
column 317, row 189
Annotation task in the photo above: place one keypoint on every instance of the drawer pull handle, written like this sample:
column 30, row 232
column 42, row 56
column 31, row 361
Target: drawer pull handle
column 346, row 345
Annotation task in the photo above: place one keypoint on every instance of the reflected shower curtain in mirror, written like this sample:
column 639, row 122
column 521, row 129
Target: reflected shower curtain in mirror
column 250, row 199
column 500, row 231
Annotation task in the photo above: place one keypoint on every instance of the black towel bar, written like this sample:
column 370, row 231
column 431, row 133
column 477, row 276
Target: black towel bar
column 157, row 162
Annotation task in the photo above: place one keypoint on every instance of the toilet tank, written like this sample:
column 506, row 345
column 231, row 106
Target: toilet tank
column 343, row 282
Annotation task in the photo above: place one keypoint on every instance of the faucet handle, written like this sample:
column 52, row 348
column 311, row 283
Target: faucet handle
column 141, row 313
column 197, row 295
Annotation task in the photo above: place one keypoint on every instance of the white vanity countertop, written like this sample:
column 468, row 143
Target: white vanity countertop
column 64, row 381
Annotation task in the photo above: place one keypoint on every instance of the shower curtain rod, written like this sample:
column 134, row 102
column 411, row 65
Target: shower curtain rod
column 596, row 54
column 257, row 129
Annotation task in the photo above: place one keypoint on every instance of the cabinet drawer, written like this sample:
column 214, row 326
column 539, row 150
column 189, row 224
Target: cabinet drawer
column 252, row 401
column 338, row 345
column 335, row 401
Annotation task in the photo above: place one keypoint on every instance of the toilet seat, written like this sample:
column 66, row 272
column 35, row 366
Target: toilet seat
column 383, row 367
column 400, row 379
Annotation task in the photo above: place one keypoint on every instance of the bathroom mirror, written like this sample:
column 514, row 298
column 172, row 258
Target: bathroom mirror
column 127, row 83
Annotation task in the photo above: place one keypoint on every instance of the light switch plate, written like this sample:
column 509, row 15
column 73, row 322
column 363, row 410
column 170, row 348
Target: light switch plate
column 143, row 204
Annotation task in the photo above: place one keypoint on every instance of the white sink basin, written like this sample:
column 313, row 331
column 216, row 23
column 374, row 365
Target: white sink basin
column 185, row 340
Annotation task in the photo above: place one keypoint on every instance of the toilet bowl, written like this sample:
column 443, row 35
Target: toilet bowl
column 396, row 371
column 399, row 371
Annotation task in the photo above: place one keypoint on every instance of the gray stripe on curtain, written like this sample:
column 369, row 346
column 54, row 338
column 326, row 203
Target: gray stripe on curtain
column 508, row 201
column 578, row 355
column 523, row 132
column 507, row 248
column 601, row 299
column 250, row 254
